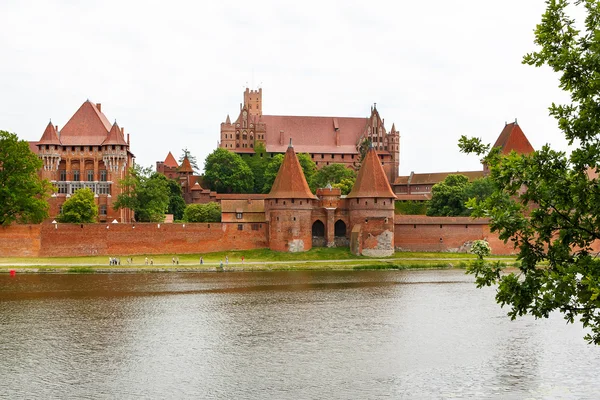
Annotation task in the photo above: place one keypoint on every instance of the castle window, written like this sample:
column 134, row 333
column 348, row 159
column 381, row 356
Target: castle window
column 294, row 218
column 76, row 175
column 342, row 156
column 332, row 156
column 238, row 215
column 103, row 209
column 441, row 226
column 284, row 202
column 415, row 226
column 90, row 175
column 277, row 218
column 102, row 175
column 375, row 201
column 240, row 227
column 237, row 145
column 292, row 201
column 251, row 145
column 62, row 175
column 353, row 156
column 312, row 156
column 357, row 200
column 322, row 155
column 72, row 148
column 255, row 227
column 276, row 201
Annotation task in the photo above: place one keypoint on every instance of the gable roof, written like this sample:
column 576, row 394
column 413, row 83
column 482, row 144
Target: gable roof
column 50, row 136
column 512, row 138
column 435, row 177
column 170, row 161
column 371, row 180
column 313, row 134
column 185, row 165
column 88, row 126
column 290, row 182
column 115, row 136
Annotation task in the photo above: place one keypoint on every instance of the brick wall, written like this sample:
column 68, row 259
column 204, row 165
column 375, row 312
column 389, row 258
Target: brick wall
column 123, row 239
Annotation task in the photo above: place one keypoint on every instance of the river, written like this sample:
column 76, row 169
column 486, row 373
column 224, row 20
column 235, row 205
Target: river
column 280, row 335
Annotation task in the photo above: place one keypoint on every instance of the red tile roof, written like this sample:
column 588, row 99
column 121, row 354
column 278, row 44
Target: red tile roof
column 290, row 182
column 33, row 147
column 185, row 165
column 250, row 206
column 425, row 220
column 313, row 134
column 115, row 136
column 241, row 196
column 371, row 180
column 512, row 138
column 50, row 136
column 413, row 197
column 434, row 177
column 170, row 161
column 88, row 126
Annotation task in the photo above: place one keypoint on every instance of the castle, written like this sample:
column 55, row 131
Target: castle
column 88, row 152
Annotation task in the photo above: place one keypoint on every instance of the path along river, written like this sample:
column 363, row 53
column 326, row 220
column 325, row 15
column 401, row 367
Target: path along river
column 280, row 335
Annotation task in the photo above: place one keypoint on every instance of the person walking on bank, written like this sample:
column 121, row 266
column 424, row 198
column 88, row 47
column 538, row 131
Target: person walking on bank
column 226, row 260
column 201, row 261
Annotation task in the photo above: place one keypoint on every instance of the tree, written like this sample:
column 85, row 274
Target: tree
column 144, row 192
column 333, row 174
column 209, row 212
column 308, row 168
column 548, row 203
column 176, row 202
column 362, row 148
column 23, row 195
column 192, row 159
column 345, row 185
column 79, row 208
column 257, row 163
column 226, row 172
column 448, row 197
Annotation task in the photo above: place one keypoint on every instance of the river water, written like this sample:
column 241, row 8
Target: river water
column 280, row 335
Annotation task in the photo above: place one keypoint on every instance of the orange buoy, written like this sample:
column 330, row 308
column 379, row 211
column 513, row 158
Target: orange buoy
column 13, row 272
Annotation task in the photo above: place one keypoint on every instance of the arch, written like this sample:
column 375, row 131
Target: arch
column 318, row 229
column 340, row 228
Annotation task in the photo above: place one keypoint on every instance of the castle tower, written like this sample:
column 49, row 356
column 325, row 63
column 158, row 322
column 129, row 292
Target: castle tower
column 329, row 199
column 185, row 173
column 371, row 210
column 288, row 207
column 393, row 145
column 49, row 150
column 253, row 101
column 511, row 138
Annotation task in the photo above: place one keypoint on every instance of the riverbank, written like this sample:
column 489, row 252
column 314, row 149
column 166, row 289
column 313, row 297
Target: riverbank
column 250, row 260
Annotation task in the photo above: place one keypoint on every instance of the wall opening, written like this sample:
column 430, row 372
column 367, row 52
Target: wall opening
column 340, row 228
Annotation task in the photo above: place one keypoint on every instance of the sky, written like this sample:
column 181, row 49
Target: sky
column 170, row 72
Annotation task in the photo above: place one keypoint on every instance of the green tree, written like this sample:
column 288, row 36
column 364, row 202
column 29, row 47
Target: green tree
column 144, row 192
column 362, row 148
column 176, row 201
column 192, row 159
column 547, row 203
column 308, row 167
column 257, row 163
column 79, row 208
column 226, row 172
column 410, row 207
column 448, row 197
column 345, row 185
column 23, row 195
column 209, row 212
column 333, row 174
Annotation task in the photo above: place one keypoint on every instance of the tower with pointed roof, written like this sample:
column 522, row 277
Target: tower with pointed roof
column 288, row 207
column 88, row 152
column 371, row 210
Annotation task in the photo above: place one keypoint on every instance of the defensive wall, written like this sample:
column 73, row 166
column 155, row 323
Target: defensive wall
column 411, row 233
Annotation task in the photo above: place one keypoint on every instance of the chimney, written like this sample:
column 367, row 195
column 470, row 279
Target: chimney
column 56, row 127
column 337, row 138
column 99, row 107
column 128, row 139
column 123, row 130
column 281, row 137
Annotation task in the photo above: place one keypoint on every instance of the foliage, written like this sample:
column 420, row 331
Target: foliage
column 345, row 185
column 481, row 248
column 192, row 159
column 362, row 148
column 79, row 208
column 545, row 202
column 257, row 163
column 333, row 174
column 209, row 212
column 176, row 202
column 449, row 197
column 409, row 207
column 23, row 195
column 308, row 167
column 144, row 192
column 226, row 172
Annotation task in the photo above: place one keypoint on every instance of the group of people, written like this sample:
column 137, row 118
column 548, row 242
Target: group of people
column 114, row 261
column 174, row 260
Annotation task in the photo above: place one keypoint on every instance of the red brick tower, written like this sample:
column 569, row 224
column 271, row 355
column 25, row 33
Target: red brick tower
column 371, row 210
column 186, row 173
column 511, row 138
column 288, row 207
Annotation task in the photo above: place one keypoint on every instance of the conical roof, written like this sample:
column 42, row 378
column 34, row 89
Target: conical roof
column 115, row 136
column 512, row 138
column 371, row 180
column 228, row 121
column 170, row 161
column 290, row 182
column 88, row 126
column 50, row 135
column 185, row 165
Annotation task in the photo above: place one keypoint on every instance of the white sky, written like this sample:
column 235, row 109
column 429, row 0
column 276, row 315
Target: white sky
column 170, row 72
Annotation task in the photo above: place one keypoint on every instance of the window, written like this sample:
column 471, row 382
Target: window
column 62, row 188
column 255, row 227
column 238, row 215
column 90, row 175
column 322, row 155
column 113, row 146
column 62, row 175
column 103, row 209
column 240, row 227
column 353, row 156
column 76, row 175
column 103, row 175
column 332, row 156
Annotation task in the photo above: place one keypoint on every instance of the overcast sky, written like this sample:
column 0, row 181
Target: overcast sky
column 170, row 72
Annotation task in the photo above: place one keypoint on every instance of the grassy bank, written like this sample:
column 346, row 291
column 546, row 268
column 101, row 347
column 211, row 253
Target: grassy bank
column 254, row 260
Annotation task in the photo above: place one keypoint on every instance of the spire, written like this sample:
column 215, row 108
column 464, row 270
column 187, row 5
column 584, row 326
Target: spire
column 228, row 121
column 115, row 136
column 290, row 182
column 371, row 180
column 186, row 166
column 291, row 146
column 393, row 127
column 512, row 138
column 50, row 135
column 170, row 161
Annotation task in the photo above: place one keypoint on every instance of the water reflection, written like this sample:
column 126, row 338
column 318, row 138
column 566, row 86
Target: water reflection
column 280, row 335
